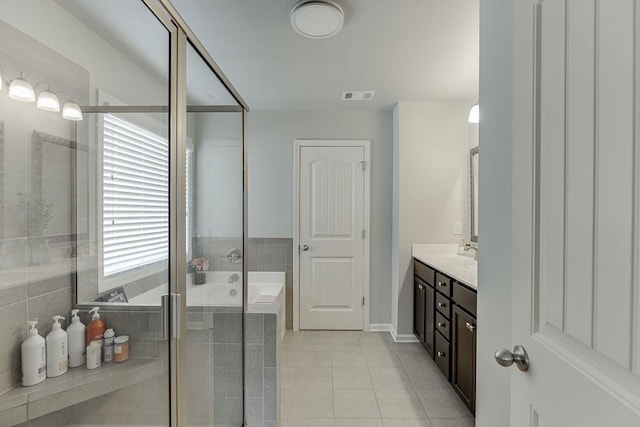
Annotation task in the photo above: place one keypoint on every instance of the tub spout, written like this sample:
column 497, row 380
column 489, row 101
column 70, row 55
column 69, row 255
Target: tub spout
column 233, row 278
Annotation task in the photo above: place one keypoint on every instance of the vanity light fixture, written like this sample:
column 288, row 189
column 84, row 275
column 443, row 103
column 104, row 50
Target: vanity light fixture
column 48, row 101
column 474, row 114
column 21, row 90
column 317, row 19
column 72, row 111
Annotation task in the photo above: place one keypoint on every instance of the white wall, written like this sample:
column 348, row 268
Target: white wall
column 270, row 163
column 429, row 172
column 494, row 268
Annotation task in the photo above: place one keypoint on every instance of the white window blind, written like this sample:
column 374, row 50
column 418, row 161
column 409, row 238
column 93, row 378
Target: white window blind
column 135, row 196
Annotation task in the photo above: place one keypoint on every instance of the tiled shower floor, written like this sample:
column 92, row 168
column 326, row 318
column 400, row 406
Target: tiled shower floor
column 344, row 378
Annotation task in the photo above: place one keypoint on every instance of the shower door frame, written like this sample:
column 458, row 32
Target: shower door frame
column 174, row 321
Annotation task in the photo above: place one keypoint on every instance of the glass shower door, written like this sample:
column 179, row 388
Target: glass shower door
column 214, row 227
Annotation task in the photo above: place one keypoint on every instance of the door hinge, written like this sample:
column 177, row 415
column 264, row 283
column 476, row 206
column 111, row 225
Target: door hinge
column 364, row 165
column 363, row 301
column 364, row 234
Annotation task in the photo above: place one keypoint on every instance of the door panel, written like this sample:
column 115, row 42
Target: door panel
column 575, row 282
column 331, row 222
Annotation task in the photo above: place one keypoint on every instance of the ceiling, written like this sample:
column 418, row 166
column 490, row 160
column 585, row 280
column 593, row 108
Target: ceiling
column 405, row 50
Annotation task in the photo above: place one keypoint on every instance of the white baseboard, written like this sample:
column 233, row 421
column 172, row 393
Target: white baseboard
column 388, row 327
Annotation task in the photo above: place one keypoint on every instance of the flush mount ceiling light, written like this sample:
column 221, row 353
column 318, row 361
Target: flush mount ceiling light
column 317, row 19
column 21, row 90
column 474, row 114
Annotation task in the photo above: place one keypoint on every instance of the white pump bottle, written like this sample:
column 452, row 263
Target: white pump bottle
column 34, row 360
column 76, row 333
column 57, row 349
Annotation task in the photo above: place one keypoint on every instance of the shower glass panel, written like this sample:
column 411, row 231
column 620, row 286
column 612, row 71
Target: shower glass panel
column 214, row 226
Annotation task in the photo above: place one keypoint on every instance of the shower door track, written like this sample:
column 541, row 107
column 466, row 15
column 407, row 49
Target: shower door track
column 105, row 109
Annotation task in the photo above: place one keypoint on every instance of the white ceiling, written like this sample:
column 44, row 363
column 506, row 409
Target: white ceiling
column 405, row 50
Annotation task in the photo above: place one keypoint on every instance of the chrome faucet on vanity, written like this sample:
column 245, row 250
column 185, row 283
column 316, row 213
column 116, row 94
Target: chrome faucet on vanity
column 468, row 247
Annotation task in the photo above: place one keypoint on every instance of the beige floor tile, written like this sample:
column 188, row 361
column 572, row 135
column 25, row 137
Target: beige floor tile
column 285, row 399
column 316, row 343
column 288, row 358
column 462, row 422
column 291, row 342
column 314, row 359
column 427, row 379
column 309, row 422
column 389, row 378
column 382, row 359
column 317, row 333
column 287, row 375
column 405, row 422
column 357, row 422
column 443, row 404
column 348, row 359
column 355, row 404
column 399, row 404
column 311, row 404
column 345, row 343
column 408, row 347
column 346, row 334
column 312, row 378
column 351, row 378
column 412, row 359
column 377, row 346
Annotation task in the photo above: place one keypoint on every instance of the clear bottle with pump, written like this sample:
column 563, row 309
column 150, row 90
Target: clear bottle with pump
column 34, row 358
column 57, row 349
column 95, row 328
column 76, row 332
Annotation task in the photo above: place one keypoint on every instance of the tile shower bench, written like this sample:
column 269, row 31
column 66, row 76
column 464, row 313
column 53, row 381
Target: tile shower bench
column 23, row 404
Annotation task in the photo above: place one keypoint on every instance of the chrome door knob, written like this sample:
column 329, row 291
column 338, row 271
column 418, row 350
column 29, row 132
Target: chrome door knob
column 519, row 356
column 304, row 247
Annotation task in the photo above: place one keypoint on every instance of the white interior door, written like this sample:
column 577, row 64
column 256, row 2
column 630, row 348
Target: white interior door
column 576, row 289
column 331, row 237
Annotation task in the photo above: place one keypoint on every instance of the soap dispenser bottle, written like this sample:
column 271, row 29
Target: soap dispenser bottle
column 95, row 328
column 57, row 349
column 76, row 332
column 34, row 358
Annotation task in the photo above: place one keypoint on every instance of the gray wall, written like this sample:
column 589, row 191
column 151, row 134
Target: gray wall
column 270, row 162
column 494, row 269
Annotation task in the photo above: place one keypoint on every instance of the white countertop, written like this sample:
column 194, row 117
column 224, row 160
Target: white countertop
column 445, row 258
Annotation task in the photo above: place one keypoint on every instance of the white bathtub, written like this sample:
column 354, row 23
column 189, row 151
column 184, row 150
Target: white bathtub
column 218, row 292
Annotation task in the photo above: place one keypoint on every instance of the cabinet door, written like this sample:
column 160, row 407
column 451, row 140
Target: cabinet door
column 419, row 308
column 429, row 318
column 463, row 378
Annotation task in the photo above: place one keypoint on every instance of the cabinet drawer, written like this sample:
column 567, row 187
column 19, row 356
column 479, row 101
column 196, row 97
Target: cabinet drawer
column 442, row 355
column 443, row 284
column 424, row 272
column 465, row 298
column 443, row 305
column 442, row 325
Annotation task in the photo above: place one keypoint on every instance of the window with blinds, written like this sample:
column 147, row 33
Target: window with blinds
column 135, row 196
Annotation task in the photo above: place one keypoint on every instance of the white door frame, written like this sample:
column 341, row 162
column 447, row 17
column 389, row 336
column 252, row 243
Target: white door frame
column 297, row 145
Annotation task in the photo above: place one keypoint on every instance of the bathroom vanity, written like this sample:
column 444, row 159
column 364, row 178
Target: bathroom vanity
column 445, row 294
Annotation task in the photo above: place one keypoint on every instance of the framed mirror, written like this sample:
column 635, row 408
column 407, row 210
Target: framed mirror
column 473, row 190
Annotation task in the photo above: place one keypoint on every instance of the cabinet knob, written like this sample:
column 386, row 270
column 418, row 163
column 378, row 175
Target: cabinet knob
column 420, row 287
column 470, row 327
column 442, row 304
column 440, row 354
column 442, row 284
column 442, row 325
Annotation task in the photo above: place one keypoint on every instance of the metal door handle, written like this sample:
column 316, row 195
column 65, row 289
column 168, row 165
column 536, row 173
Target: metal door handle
column 470, row 327
column 304, row 247
column 519, row 356
column 164, row 317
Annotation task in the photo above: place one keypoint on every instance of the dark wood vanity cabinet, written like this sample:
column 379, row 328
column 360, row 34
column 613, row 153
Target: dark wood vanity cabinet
column 423, row 304
column 445, row 324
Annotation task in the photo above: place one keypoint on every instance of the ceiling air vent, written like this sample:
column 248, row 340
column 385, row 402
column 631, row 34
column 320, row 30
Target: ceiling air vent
column 358, row 95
